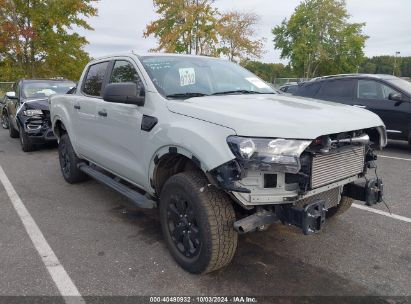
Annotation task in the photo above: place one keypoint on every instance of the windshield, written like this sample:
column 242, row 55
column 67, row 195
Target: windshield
column 401, row 83
column 46, row 88
column 176, row 76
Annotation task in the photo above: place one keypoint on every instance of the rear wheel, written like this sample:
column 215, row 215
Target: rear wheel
column 341, row 208
column 69, row 162
column 197, row 223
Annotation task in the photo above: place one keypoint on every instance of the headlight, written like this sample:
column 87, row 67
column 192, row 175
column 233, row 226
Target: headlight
column 32, row 112
column 281, row 155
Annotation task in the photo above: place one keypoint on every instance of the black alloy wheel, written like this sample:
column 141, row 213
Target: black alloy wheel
column 197, row 222
column 69, row 162
column 183, row 227
column 64, row 159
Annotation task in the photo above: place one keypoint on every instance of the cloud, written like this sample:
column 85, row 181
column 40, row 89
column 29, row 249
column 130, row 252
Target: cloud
column 121, row 23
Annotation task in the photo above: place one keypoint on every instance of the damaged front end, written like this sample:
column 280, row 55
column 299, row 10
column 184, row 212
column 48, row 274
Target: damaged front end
column 33, row 118
column 298, row 181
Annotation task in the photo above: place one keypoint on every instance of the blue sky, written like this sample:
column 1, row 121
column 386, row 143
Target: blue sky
column 120, row 24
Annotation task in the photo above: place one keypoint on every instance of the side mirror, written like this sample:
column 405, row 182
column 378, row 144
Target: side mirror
column 11, row 95
column 126, row 92
column 395, row 97
column 398, row 97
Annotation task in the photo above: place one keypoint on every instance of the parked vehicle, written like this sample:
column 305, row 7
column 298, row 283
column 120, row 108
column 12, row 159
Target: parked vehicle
column 387, row 96
column 27, row 110
column 290, row 87
column 215, row 148
column 3, row 116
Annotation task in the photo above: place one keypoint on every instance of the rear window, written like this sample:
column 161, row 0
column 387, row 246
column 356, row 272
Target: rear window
column 337, row 88
column 93, row 81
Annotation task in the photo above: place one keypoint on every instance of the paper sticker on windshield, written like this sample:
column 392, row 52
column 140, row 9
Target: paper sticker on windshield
column 187, row 76
column 258, row 83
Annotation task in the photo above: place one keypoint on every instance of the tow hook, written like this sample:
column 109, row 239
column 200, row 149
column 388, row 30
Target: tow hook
column 310, row 218
column 370, row 191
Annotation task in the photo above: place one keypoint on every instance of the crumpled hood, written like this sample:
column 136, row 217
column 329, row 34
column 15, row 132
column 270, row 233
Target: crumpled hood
column 40, row 104
column 34, row 104
column 276, row 115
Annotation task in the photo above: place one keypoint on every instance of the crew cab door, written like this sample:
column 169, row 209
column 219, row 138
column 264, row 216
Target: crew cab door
column 373, row 95
column 84, row 109
column 119, row 128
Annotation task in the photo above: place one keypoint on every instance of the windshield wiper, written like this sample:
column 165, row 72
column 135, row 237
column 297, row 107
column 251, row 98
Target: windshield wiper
column 186, row 95
column 240, row 92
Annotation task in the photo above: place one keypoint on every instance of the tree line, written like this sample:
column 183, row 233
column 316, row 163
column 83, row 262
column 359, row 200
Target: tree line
column 374, row 65
column 198, row 27
column 38, row 38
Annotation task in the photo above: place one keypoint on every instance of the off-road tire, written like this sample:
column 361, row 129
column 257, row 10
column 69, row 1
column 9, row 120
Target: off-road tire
column 26, row 145
column 341, row 208
column 12, row 132
column 214, row 217
column 69, row 162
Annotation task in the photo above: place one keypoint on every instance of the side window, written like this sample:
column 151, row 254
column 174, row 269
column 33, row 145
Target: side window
column 308, row 90
column 337, row 88
column 386, row 91
column 369, row 89
column 124, row 71
column 94, row 79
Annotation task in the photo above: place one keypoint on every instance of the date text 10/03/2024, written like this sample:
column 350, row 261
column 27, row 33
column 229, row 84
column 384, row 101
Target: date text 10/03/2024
column 237, row 299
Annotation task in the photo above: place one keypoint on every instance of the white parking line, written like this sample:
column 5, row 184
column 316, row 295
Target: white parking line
column 57, row 272
column 397, row 158
column 394, row 216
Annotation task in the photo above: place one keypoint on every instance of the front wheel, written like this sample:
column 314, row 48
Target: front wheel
column 69, row 162
column 197, row 223
column 25, row 143
column 341, row 208
column 12, row 132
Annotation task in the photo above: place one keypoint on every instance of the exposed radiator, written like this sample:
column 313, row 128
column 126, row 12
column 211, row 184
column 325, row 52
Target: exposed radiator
column 329, row 168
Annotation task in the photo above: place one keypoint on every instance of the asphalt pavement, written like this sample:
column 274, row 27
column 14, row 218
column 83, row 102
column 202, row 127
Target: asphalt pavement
column 108, row 248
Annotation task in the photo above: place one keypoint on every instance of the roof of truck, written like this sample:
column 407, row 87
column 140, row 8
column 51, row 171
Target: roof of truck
column 151, row 55
column 377, row 76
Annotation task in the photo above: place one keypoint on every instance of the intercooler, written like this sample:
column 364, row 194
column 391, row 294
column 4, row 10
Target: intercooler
column 336, row 166
column 331, row 198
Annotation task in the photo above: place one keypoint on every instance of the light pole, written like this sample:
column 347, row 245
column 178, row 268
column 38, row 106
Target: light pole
column 395, row 61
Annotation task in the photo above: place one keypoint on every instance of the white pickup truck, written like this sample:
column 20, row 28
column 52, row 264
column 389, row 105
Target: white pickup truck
column 215, row 148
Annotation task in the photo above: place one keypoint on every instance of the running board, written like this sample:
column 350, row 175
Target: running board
column 136, row 198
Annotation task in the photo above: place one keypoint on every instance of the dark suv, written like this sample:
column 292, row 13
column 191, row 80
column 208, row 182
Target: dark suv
column 27, row 110
column 386, row 95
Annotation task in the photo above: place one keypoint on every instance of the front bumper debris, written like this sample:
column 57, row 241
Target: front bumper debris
column 38, row 130
column 310, row 218
column 370, row 191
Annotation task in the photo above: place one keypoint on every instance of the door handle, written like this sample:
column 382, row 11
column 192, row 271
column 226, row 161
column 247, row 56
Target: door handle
column 102, row 113
column 360, row 106
column 77, row 107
